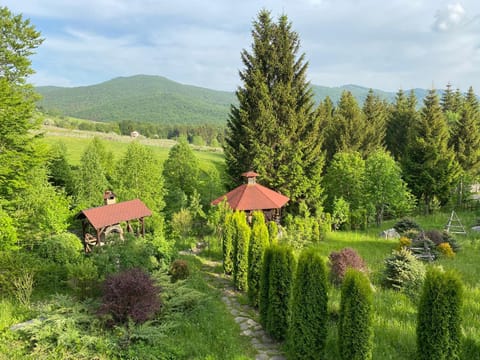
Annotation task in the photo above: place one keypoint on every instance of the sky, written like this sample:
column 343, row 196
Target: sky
column 380, row 44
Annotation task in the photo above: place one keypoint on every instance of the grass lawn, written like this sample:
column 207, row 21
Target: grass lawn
column 395, row 314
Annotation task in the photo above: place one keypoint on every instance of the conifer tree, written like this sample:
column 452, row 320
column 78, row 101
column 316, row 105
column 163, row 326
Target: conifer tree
column 376, row 113
column 430, row 168
column 402, row 117
column 466, row 135
column 258, row 243
column 228, row 246
column 349, row 125
column 307, row 331
column 325, row 112
column 274, row 130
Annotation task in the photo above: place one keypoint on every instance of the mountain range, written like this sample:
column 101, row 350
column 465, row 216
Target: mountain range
column 149, row 98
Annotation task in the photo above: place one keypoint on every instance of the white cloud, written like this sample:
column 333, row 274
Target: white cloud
column 449, row 18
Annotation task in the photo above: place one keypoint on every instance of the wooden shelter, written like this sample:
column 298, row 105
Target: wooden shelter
column 253, row 196
column 107, row 218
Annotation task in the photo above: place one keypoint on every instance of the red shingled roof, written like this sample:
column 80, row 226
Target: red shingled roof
column 253, row 197
column 112, row 214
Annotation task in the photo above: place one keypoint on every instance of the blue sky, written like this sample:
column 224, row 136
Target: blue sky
column 381, row 44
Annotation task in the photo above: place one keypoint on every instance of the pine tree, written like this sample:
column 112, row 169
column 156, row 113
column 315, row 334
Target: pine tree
column 399, row 123
column 307, row 332
column 325, row 112
column 376, row 113
column 430, row 168
column 349, row 125
column 258, row 243
column 466, row 135
column 274, row 130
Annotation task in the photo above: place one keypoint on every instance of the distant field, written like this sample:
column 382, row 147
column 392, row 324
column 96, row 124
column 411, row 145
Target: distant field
column 76, row 141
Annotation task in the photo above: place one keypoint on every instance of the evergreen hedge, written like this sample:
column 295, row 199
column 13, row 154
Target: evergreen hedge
column 227, row 244
column 282, row 269
column 355, row 335
column 263, row 293
column 241, row 242
column 308, row 325
column 439, row 318
column 258, row 242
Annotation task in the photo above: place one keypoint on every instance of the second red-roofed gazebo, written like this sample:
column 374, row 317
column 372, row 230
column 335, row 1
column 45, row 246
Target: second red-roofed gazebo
column 253, row 196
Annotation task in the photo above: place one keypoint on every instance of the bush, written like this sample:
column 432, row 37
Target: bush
column 435, row 235
column 448, row 238
column 439, row 316
column 62, row 249
column 406, row 224
column 129, row 295
column 307, row 330
column 341, row 261
column 179, row 270
column 83, row 278
column 446, row 250
column 404, row 242
column 242, row 240
column 282, row 270
column 258, row 242
column 355, row 323
column 404, row 272
column 227, row 244
column 273, row 232
column 263, row 295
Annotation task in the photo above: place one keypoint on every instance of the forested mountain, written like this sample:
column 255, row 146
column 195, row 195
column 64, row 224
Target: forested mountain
column 160, row 100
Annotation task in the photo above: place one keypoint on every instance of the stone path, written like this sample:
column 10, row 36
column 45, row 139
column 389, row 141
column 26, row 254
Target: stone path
column 245, row 316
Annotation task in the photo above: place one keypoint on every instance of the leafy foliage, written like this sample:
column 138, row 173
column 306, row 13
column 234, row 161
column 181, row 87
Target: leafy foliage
column 8, row 232
column 355, row 331
column 62, row 249
column 341, row 261
column 439, row 316
column 241, row 250
column 307, row 331
column 258, row 243
column 83, row 278
column 404, row 272
column 179, row 270
column 280, row 282
column 130, row 295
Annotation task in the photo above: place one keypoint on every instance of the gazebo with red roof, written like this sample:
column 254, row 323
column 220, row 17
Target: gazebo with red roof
column 111, row 215
column 253, row 196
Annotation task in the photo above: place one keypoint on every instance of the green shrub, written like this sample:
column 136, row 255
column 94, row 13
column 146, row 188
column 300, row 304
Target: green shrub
column 406, row 224
column 61, row 249
column 83, row 278
column 404, row 272
column 273, row 232
column 263, row 295
column 307, row 330
column 242, row 240
column 13, row 264
column 8, row 232
column 282, row 270
column 341, row 261
column 355, row 335
column 448, row 238
column 439, row 316
column 258, row 242
column 179, row 270
column 228, row 245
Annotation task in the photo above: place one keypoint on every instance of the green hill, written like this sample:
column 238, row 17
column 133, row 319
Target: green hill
column 157, row 99
column 139, row 98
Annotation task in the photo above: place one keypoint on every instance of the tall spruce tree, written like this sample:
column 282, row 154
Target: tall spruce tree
column 274, row 130
column 349, row 125
column 325, row 112
column 402, row 116
column 376, row 113
column 466, row 135
column 430, row 168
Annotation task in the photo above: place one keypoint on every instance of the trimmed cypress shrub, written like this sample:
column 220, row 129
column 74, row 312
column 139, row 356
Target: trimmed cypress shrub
column 228, row 245
column 282, row 269
column 258, row 242
column 264, row 285
column 241, row 242
column 355, row 333
column 307, row 331
column 439, row 318
column 273, row 232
